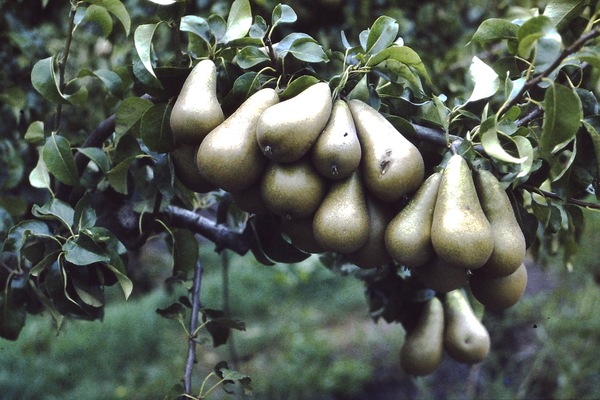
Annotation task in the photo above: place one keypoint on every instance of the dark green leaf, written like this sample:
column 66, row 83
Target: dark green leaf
column 111, row 79
column 98, row 156
column 532, row 31
column 174, row 311
column 35, row 132
column 58, row 157
column 197, row 26
column 383, row 33
column 185, row 251
column 19, row 233
column 238, row 21
column 397, row 72
column 495, row 29
column 274, row 246
column 155, row 128
column 250, row 56
column 43, row 79
column 218, row 26
column 129, row 114
column 218, row 332
column 101, row 16
column 117, row 177
column 84, row 216
column 57, row 210
column 118, row 10
column 12, row 315
column 402, row 54
column 83, row 250
column 308, row 50
column 283, row 14
column 592, row 126
column 562, row 118
column 259, row 28
column 298, row 85
column 561, row 12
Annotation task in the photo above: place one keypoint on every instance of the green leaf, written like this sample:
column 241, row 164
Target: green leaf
column 58, row 157
column 561, row 12
column 113, row 248
column 562, row 118
column 274, row 246
column 117, row 177
column 143, row 45
column 19, row 233
column 83, row 250
column 84, row 216
column 491, row 142
column 397, row 72
column 402, row 54
column 298, row 85
column 12, row 315
column 238, row 21
column 98, row 156
column 218, row 26
column 197, row 26
column 112, row 81
column 35, row 132
column 57, row 210
column 283, row 14
column 308, row 50
column 485, row 79
column 118, row 10
column 259, row 28
column 532, row 31
column 526, row 152
column 493, row 29
column 383, row 33
column 250, row 56
column 44, row 80
column 101, row 16
column 39, row 176
column 155, row 128
column 185, row 251
column 174, row 311
column 129, row 114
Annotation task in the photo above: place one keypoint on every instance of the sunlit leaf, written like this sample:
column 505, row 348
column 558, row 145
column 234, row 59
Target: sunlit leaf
column 58, row 157
column 525, row 150
column 532, row 31
column 57, row 210
column 259, row 28
column 403, row 54
column 250, row 56
column 491, row 142
column 484, row 78
column 196, row 25
column 495, row 29
column 218, row 26
column 308, row 50
column 561, row 12
column 383, row 33
column 238, row 21
column 298, row 85
column 562, row 118
column 143, row 45
column 283, row 14
column 35, row 132
column 39, row 176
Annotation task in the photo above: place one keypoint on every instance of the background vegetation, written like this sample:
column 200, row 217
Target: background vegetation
column 308, row 332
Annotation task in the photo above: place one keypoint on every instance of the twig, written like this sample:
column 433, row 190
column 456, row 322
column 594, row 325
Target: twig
column 62, row 64
column 551, row 195
column 191, row 358
column 538, row 78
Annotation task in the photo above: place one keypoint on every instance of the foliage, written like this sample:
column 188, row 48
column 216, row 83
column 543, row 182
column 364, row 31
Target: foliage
column 87, row 175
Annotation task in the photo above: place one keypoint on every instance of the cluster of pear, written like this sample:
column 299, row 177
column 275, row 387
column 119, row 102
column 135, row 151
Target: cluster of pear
column 460, row 228
column 334, row 170
column 448, row 325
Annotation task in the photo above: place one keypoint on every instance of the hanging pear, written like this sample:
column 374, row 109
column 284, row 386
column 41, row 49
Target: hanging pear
column 460, row 232
column 423, row 348
column 391, row 165
column 197, row 110
column 341, row 223
column 336, row 153
column 466, row 340
column 408, row 236
column 292, row 190
column 229, row 156
column 287, row 130
column 438, row 275
column 499, row 293
column 509, row 241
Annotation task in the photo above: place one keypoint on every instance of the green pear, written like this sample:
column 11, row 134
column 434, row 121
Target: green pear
column 423, row 349
column 186, row 170
column 438, row 275
column 391, row 165
column 336, row 153
column 341, row 223
column 373, row 253
column 287, row 130
column 293, row 190
column 300, row 232
column 466, row 340
column 460, row 233
column 229, row 156
column 509, row 241
column 408, row 236
column 197, row 110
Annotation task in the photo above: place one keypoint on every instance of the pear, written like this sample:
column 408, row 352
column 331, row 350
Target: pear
column 509, row 241
column 423, row 348
column 250, row 200
column 391, row 165
column 466, row 340
column 197, row 110
column 336, row 153
column 287, row 130
column 300, row 233
column 293, row 190
column 460, row 232
column 373, row 253
column 408, row 236
column 186, row 170
column 229, row 156
column 341, row 223
column 499, row 292
column 438, row 275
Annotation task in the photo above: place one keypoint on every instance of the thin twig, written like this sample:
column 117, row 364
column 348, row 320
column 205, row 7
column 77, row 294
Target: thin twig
column 191, row 358
column 62, row 64
column 554, row 196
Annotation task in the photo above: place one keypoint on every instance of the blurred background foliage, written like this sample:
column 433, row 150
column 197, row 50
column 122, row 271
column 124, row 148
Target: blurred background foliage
column 308, row 332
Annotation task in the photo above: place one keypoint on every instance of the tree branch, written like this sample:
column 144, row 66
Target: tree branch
column 191, row 357
column 551, row 195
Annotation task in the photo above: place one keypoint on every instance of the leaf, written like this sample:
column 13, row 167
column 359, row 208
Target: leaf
column 561, row 12
column 113, row 248
column 493, row 29
column 59, row 160
column 397, row 72
column 185, row 251
column 56, row 210
column 117, row 177
column 98, row 156
column 35, row 132
column 532, row 31
column 525, row 151
column 283, row 14
column 402, row 54
column 155, row 128
column 43, row 79
column 197, row 26
column 218, row 26
column 592, row 124
column 19, row 233
column 83, row 250
column 274, row 246
column 12, row 315
column 112, row 81
column 250, row 56
column 298, row 85
column 174, row 311
column 143, row 45
column 118, row 10
column 239, row 21
column 259, row 28
column 308, row 50
column 491, row 142
column 485, row 79
column 101, row 16
column 84, row 216
column 562, row 118
column 383, row 32
column 129, row 113
column 40, row 177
